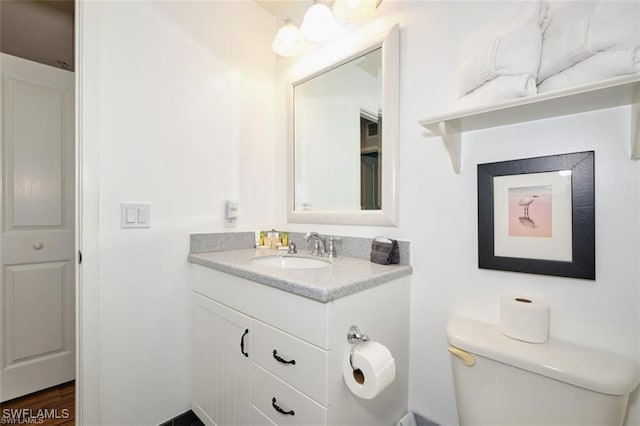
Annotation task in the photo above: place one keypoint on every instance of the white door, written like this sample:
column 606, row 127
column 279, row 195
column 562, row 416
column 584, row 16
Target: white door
column 221, row 364
column 37, row 253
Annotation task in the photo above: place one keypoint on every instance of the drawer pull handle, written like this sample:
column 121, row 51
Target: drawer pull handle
column 246, row 331
column 38, row 246
column 280, row 410
column 282, row 360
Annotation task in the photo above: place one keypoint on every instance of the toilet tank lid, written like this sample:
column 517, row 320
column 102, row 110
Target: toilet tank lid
column 588, row 368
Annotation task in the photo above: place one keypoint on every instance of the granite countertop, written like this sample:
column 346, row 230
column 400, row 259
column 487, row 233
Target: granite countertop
column 345, row 275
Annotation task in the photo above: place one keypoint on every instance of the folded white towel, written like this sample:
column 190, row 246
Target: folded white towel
column 528, row 12
column 564, row 41
column 510, row 46
column 498, row 90
column 602, row 65
column 514, row 53
column 614, row 25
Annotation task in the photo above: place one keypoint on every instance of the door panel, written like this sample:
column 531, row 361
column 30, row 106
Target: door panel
column 37, row 255
column 34, row 305
column 34, row 153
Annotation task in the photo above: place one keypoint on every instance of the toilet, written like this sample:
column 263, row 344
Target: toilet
column 502, row 381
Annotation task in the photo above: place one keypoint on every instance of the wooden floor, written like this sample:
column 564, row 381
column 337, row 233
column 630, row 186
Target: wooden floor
column 50, row 407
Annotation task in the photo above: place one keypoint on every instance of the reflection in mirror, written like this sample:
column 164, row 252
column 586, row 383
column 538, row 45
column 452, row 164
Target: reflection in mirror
column 337, row 143
column 343, row 158
column 370, row 154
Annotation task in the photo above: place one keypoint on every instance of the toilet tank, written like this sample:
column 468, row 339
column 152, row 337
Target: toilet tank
column 503, row 381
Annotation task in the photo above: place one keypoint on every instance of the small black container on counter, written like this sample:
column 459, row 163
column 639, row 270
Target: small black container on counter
column 384, row 251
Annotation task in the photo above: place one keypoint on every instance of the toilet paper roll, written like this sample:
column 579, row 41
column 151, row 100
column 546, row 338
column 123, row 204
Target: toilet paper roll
column 373, row 369
column 524, row 319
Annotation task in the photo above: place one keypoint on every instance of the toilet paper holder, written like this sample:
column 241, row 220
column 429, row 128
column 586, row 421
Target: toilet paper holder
column 355, row 337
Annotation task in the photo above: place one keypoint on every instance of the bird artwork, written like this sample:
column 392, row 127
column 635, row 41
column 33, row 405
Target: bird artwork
column 526, row 202
column 525, row 222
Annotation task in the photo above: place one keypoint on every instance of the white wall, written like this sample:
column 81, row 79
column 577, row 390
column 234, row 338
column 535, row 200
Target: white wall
column 186, row 94
column 438, row 208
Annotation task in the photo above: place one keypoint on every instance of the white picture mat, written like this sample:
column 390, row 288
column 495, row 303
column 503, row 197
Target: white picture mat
column 559, row 247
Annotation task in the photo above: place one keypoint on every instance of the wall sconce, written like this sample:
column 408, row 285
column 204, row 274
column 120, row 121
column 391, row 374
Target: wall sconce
column 288, row 41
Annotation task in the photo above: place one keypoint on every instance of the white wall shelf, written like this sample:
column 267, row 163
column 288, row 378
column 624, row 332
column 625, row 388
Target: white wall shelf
column 604, row 94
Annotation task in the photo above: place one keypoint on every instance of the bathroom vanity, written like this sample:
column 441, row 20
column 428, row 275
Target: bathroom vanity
column 270, row 340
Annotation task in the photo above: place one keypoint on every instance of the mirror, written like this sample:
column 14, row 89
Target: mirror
column 344, row 137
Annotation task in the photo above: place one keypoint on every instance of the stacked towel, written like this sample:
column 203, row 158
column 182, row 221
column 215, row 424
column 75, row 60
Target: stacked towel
column 587, row 42
column 498, row 90
column 556, row 45
column 517, row 52
column 565, row 37
column 602, row 65
column 614, row 26
column 513, row 49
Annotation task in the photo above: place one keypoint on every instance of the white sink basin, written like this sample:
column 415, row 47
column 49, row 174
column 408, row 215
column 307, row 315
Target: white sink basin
column 290, row 262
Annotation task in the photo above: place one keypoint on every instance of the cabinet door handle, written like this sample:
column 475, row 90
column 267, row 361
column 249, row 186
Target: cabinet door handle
column 282, row 360
column 246, row 331
column 280, row 410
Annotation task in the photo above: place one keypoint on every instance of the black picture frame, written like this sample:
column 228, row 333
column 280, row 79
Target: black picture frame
column 582, row 205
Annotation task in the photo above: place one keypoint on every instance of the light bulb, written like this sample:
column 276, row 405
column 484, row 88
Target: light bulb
column 318, row 24
column 288, row 41
column 354, row 10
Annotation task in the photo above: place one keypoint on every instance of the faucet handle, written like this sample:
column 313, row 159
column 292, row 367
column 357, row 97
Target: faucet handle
column 331, row 247
column 317, row 247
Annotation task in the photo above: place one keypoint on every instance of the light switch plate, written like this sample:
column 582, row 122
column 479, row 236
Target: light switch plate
column 135, row 215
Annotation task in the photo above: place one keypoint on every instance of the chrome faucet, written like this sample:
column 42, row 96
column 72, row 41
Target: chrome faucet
column 318, row 244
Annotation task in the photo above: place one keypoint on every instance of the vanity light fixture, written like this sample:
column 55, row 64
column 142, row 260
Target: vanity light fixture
column 318, row 24
column 288, row 41
column 354, row 10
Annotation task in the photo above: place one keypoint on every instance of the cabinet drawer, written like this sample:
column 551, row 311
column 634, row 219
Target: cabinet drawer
column 270, row 394
column 308, row 373
column 258, row 418
column 258, row 301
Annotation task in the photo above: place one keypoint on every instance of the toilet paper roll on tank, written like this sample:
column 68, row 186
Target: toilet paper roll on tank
column 524, row 318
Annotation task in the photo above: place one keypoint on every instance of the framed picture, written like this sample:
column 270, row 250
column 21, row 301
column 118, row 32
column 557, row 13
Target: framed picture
column 536, row 215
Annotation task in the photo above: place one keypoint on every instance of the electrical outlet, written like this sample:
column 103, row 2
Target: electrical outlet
column 230, row 214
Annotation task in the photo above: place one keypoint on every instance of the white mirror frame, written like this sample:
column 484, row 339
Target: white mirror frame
column 389, row 40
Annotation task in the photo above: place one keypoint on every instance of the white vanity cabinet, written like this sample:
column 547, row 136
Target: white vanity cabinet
column 296, row 347
column 221, row 363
